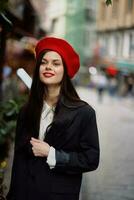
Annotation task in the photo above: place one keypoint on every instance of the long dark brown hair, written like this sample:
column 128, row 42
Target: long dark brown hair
column 39, row 92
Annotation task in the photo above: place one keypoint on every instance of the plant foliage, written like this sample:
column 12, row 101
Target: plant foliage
column 8, row 115
column 108, row 2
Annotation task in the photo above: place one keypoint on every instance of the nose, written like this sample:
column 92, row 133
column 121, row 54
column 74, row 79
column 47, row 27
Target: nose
column 49, row 66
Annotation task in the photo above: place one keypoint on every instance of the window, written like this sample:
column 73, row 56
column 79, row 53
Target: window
column 115, row 8
column 131, row 47
column 117, row 45
column 89, row 15
column 103, row 11
column 130, row 5
column 53, row 25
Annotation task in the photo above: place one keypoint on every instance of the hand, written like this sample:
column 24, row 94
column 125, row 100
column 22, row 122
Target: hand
column 39, row 147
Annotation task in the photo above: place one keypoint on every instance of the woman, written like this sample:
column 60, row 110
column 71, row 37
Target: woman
column 56, row 135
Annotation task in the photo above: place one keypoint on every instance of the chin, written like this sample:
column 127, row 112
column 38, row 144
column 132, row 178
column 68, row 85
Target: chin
column 51, row 83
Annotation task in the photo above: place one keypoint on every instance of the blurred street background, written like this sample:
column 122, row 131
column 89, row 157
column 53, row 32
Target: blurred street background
column 104, row 38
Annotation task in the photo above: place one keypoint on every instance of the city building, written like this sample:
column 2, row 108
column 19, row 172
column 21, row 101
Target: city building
column 73, row 20
column 115, row 33
column 55, row 17
column 81, row 26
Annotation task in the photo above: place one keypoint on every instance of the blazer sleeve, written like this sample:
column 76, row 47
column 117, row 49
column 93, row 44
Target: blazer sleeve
column 87, row 159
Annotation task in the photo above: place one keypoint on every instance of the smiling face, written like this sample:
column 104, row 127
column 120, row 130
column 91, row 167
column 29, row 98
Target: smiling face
column 51, row 69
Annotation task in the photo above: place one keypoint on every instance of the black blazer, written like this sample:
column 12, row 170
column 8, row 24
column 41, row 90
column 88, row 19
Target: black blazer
column 75, row 139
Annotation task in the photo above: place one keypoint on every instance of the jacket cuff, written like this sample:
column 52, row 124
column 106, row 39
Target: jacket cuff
column 62, row 158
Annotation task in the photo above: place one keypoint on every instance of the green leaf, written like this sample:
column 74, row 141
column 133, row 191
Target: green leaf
column 108, row 2
column 11, row 112
column 8, row 116
column 2, row 132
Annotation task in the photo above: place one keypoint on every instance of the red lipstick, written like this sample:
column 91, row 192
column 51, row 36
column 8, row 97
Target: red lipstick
column 48, row 74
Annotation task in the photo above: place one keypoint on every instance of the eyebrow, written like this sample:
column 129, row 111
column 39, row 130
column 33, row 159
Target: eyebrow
column 53, row 60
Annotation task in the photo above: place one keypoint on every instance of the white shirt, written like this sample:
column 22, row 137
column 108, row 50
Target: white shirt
column 45, row 120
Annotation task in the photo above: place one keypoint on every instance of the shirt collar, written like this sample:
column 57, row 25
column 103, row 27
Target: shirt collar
column 47, row 107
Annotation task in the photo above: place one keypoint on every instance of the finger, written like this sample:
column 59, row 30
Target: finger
column 33, row 149
column 35, row 152
column 31, row 142
column 35, row 140
column 38, row 154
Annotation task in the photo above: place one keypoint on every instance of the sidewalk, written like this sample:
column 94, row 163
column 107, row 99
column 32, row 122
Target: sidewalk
column 114, row 179
column 90, row 95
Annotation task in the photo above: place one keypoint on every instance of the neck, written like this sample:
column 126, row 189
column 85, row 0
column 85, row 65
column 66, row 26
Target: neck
column 53, row 94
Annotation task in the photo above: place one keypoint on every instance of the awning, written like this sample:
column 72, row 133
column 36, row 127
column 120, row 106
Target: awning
column 123, row 65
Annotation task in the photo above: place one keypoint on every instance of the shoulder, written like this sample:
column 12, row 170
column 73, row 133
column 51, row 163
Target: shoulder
column 72, row 105
column 81, row 109
column 86, row 111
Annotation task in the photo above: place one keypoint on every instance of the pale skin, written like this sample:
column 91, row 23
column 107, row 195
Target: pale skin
column 51, row 63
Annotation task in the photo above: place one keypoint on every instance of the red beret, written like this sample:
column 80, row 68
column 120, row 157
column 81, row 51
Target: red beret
column 66, row 51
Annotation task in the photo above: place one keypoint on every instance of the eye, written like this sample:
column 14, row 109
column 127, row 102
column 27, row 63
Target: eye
column 56, row 64
column 43, row 62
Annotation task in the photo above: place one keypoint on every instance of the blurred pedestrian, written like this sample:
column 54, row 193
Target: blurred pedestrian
column 112, row 86
column 101, row 85
column 56, row 135
column 130, row 85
